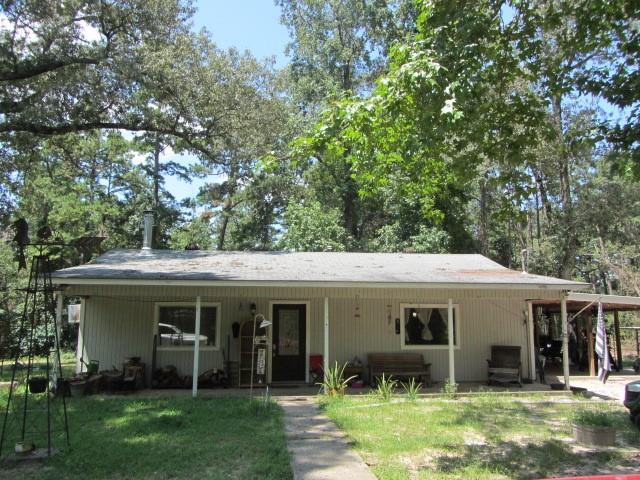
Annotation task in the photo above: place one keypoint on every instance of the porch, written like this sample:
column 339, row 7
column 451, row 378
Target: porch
column 119, row 321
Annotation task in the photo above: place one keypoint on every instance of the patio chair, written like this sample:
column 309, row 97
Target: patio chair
column 505, row 366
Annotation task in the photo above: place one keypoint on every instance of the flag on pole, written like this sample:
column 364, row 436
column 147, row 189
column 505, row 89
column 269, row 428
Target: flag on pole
column 602, row 349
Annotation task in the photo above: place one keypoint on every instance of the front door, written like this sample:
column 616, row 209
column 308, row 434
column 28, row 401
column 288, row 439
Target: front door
column 289, row 342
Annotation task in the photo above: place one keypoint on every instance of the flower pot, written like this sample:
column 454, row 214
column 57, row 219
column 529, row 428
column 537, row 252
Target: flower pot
column 594, row 436
column 38, row 384
column 77, row 388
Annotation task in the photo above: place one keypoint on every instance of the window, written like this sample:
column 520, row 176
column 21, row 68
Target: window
column 425, row 326
column 176, row 326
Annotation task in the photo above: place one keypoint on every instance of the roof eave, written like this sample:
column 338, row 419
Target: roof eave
column 62, row 281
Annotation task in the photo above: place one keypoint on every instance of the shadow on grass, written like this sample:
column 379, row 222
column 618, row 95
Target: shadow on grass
column 169, row 438
column 513, row 459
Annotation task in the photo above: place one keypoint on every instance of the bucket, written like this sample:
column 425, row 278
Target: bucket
column 93, row 367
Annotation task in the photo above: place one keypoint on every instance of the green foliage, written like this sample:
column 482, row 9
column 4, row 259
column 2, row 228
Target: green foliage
column 334, row 384
column 594, row 416
column 312, row 227
column 449, row 389
column 195, row 232
column 412, row 389
column 385, row 387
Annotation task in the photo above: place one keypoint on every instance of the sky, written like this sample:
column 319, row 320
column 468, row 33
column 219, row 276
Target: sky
column 252, row 25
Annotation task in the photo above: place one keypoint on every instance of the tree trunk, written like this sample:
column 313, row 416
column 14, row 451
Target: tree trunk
column 566, row 220
column 483, row 227
column 223, row 228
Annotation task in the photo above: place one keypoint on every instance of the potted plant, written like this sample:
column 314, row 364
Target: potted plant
column 38, row 384
column 77, row 386
column 594, row 427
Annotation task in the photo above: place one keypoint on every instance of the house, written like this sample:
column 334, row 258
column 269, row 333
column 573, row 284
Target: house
column 450, row 308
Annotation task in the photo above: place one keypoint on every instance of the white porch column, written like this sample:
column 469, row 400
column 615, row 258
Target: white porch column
column 56, row 357
column 452, row 373
column 196, row 350
column 565, row 340
column 532, row 343
column 325, row 356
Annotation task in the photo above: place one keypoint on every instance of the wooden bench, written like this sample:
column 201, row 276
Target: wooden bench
column 401, row 365
column 505, row 365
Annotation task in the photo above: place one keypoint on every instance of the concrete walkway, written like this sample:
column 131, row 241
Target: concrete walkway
column 319, row 451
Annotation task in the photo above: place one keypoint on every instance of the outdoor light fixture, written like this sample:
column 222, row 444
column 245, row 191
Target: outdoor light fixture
column 252, row 309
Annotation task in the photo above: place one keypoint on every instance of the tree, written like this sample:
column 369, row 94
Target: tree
column 337, row 49
column 84, row 65
column 313, row 228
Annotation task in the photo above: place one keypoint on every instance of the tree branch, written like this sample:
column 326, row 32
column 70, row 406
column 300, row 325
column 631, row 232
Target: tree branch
column 29, row 71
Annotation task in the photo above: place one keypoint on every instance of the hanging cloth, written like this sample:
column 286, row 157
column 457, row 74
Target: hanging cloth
column 602, row 349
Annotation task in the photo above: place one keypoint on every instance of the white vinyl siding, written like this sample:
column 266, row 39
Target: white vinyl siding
column 118, row 322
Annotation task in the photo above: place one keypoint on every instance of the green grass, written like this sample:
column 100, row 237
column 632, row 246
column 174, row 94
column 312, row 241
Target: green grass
column 67, row 359
column 486, row 436
column 179, row 437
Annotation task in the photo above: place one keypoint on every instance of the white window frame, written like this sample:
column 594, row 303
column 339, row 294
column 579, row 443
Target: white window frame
column 456, row 316
column 188, row 348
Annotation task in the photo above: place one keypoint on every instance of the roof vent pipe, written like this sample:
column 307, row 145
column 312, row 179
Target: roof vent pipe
column 524, row 256
column 147, row 238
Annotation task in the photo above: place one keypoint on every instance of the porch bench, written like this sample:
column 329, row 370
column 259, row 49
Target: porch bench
column 399, row 365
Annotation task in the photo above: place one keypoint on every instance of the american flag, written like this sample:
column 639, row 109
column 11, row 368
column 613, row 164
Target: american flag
column 602, row 350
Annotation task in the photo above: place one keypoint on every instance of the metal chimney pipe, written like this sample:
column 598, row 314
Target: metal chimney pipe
column 147, row 238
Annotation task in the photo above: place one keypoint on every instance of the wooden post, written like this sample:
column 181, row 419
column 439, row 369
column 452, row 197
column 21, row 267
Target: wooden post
column 532, row 344
column 450, row 334
column 616, row 328
column 590, row 352
column 196, row 351
column 325, row 356
column 637, row 345
column 565, row 340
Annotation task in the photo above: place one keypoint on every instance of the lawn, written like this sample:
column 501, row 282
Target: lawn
column 487, row 436
column 179, row 437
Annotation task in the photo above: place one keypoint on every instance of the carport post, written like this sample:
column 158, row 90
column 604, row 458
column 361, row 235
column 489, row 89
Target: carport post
column 452, row 373
column 196, row 350
column 325, row 356
column 565, row 340
column 532, row 343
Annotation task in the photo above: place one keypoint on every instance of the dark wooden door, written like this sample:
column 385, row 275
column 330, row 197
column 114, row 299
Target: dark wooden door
column 289, row 342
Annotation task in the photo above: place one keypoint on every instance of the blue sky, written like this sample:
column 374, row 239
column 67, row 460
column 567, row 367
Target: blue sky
column 252, row 25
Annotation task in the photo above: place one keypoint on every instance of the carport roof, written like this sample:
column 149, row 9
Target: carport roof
column 391, row 270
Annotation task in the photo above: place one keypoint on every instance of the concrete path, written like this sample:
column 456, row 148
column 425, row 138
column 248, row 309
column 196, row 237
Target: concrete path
column 319, row 451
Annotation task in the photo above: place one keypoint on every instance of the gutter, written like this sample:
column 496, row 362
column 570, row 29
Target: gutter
column 61, row 281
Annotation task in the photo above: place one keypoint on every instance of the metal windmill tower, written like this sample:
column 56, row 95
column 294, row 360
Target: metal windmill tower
column 35, row 414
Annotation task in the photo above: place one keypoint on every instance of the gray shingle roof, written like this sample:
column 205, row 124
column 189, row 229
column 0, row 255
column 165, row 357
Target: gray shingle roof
column 137, row 266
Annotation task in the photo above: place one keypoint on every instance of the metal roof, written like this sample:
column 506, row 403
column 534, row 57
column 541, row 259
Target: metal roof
column 589, row 302
column 302, row 269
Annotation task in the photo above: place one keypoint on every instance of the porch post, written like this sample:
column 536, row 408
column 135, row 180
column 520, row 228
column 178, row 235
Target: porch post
column 450, row 330
column 532, row 343
column 616, row 328
column 196, row 350
column 565, row 340
column 325, row 356
column 56, row 357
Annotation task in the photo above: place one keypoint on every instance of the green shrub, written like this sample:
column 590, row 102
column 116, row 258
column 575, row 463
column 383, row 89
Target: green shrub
column 450, row 389
column 386, row 386
column 412, row 389
column 334, row 383
column 599, row 416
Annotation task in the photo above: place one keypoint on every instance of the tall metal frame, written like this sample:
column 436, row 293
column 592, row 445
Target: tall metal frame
column 39, row 313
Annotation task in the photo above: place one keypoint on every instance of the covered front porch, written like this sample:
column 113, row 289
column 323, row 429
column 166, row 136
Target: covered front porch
column 337, row 324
